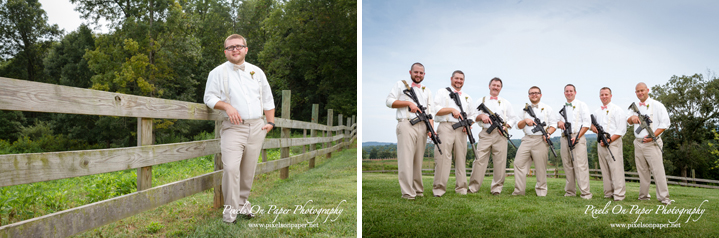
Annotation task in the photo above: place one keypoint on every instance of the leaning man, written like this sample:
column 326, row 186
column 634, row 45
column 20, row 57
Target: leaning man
column 240, row 89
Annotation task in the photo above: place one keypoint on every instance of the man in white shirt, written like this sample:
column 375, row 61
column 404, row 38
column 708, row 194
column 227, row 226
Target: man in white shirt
column 647, row 155
column 612, row 119
column 578, row 115
column 448, row 114
column 534, row 146
column 241, row 91
column 411, row 139
column 494, row 142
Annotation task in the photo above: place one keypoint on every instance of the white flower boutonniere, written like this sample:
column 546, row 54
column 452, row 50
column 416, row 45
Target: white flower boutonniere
column 607, row 112
column 466, row 98
column 422, row 88
column 499, row 103
column 252, row 74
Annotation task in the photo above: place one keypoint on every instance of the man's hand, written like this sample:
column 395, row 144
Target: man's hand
column 413, row 108
column 484, row 118
column 268, row 127
column 455, row 113
column 529, row 122
column 233, row 114
column 647, row 139
column 560, row 124
column 594, row 129
column 634, row 120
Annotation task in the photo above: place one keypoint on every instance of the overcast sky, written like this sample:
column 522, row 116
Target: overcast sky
column 62, row 13
column 590, row 44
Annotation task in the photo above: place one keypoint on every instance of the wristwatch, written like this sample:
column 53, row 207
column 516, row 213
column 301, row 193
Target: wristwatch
column 273, row 124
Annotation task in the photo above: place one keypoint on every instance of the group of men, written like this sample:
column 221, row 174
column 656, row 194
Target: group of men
column 453, row 109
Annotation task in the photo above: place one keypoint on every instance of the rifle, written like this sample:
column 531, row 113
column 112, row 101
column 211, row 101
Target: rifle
column 602, row 135
column 568, row 132
column 645, row 121
column 539, row 126
column 497, row 122
column 422, row 116
column 464, row 122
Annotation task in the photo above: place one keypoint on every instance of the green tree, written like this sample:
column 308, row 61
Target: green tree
column 65, row 64
column 312, row 50
column 693, row 106
column 24, row 35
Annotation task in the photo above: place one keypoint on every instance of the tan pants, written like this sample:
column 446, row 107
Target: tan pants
column 649, row 158
column 577, row 169
column 497, row 145
column 240, row 145
column 533, row 148
column 451, row 140
column 612, row 171
column 411, row 141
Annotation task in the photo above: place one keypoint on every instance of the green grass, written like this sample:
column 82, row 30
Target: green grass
column 386, row 214
column 332, row 181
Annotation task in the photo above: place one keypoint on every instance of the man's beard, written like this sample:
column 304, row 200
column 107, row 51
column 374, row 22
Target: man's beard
column 415, row 80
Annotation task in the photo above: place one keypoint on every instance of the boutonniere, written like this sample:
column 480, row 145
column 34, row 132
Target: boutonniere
column 647, row 106
column 541, row 110
column 499, row 103
column 252, row 74
column 574, row 107
column 466, row 98
column 422, row 88
column 607, row 112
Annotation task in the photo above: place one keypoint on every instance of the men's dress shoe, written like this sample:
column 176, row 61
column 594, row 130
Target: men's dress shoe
column 248, row 215
column 230, row 223
column 495, row 193
column 667, row 202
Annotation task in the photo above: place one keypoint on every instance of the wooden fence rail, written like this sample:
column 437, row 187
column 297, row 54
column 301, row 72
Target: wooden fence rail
column 552, row 172
column 18, row 169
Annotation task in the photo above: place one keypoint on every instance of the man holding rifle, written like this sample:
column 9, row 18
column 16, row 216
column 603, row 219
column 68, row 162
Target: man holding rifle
column 411, row 132
column 650, row 119
column 574, row 121
column 609, row 124
column 535, row 143
column 492, row 138
column 452, row 106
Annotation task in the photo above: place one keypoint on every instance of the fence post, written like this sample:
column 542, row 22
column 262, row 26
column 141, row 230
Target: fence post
column 329, row 132
column 694, row 177
column 285, row 150
column 341, row 141
column 348, row 132
column 219, row 200
column 313, row 133
column 144, row 137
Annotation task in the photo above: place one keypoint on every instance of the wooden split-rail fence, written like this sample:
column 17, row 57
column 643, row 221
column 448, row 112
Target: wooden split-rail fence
column 15, row 169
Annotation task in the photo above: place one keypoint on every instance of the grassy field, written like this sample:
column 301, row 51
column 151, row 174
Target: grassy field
column 386, row 214
column 332, row 181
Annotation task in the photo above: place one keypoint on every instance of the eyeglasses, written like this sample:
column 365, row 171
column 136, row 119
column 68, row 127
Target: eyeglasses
column 535, row 93
column 235, row 47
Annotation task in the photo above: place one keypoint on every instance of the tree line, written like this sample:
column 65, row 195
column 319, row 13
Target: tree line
column 165, row 49
column 690, row 143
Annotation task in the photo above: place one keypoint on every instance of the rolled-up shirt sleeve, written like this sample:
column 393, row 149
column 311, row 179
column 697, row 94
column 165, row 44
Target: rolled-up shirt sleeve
column 268, row 101
column 394, row 95
column 213, row 92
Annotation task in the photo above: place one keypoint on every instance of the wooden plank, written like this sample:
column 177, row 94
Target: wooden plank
column 285, row 133
column 144, row 137
column 218, row 198
column 76, row 220
column 21, row 95
column 313, row 133
column 281, row 122
column 36, row 167
column 270, row 166
column 329, row 131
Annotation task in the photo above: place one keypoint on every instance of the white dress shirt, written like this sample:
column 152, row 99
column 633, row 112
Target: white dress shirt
column 442, row 100
column 423, row 95
column 500, row 106
column 612, row 119
column 577, row 114
column 545, row 114
column 656, row 111
column 244, row 90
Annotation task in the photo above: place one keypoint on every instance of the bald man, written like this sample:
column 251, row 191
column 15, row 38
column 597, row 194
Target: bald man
column 647, row 154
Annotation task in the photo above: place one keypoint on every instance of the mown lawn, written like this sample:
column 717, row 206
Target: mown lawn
column 386, row 214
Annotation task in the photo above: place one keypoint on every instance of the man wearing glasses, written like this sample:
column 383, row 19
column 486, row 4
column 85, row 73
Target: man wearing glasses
column 241, row 91
column 534, row 145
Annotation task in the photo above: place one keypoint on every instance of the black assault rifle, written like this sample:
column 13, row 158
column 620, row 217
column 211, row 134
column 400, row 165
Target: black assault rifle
column 568, row 132
column 602, row 135
column 645, row 121
column 497, row 122
column 464, row 121
column 422, row 116
column 539, row 126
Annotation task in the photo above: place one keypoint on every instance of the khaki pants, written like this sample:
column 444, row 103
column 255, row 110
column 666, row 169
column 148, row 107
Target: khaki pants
column 576, row 170
column 451, row 140
column 612, row 171
column 497, row 145
column 240, row 146
column 649, row 158
column 411, row 141
column 533, row 148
